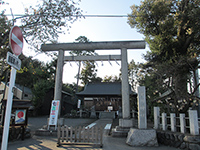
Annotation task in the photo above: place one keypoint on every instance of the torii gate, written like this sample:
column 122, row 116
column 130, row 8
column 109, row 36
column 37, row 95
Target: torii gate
column 122, row 45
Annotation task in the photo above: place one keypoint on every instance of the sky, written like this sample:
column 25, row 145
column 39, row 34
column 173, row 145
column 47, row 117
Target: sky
column 95, row 29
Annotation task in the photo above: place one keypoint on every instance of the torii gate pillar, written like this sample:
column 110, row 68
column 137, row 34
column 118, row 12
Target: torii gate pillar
column 125, row 121
column 125, row 85
column 59, row 74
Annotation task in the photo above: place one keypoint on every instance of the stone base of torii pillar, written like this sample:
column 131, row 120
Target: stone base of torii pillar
column 124, row 127
column 142, row 137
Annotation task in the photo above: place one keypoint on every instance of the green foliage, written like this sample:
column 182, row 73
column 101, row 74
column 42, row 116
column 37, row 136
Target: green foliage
column 39, row 91
column 111, row 79
column 171, row 29
column 5, row 26
column 88, row 73
column 43, row 22
column 134, row 74
column 73, row 113
column 46, row 21
column 39, row 24
column 33, row 71
column 82, row 39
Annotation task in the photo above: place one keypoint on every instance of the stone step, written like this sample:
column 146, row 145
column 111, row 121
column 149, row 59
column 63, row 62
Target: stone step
column 104, row 115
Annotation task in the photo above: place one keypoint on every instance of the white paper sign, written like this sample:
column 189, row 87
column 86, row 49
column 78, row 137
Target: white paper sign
column 79, row 103
column 54, row 112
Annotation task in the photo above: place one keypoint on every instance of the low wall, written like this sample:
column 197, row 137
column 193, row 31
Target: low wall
column 179, row 140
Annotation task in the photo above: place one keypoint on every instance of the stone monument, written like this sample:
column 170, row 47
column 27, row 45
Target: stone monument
column 142, row 136
column 93, row 112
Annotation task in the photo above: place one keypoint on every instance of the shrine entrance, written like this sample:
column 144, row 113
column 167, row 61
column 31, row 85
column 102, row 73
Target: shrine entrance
column 114, row 45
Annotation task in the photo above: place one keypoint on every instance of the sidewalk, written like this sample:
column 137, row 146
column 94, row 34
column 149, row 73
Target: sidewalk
column 49, row 142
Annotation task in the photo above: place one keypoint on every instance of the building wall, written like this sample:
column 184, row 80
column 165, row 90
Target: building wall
column 18, row 93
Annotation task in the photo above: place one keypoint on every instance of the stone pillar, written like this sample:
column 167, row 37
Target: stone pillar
column 173, row 122
column 58, row 82
column 125, row 121
column 59, row 74
column 125, row 85
column 164, row 121
column 156, row 117
column 182, row 123
column 142, row 112
column 142, row 136
column 197, row 91
column 194, row 125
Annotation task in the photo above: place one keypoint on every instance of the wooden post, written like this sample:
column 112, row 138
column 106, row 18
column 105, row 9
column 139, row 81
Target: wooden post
column 79, row 132
column 58, row 134
column 83, row 132
column 23, row 132
column 67, row 133
column 101, row 137
column 71, row 133
column 63, row 131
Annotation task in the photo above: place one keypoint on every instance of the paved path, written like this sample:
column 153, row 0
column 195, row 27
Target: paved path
column 49, row 143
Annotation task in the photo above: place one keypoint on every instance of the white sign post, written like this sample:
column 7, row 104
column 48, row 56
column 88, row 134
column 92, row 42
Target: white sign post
column 54, row 113
column 16, row 44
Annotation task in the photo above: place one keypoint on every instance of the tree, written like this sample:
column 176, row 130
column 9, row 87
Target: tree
column 89, row 65
column 33, row 71
column 81, row 39
column 171, row 29
column 5, row 26
column 39, row 90
column 89, row 73
column 134, row 74
column 111, row 79
column 40, row 24
column 50, row 18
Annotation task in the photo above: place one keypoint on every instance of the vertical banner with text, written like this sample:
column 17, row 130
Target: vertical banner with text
column 54, row 112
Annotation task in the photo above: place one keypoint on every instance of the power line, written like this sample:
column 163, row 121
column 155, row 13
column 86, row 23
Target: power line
column 109, row 16
column 86, row 16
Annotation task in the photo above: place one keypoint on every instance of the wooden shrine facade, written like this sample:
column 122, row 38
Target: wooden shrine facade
column 104, row 96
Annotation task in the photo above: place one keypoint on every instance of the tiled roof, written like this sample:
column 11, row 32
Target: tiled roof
column 103, row 88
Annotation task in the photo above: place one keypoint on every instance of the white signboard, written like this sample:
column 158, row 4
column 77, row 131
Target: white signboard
column 54, row 112
column 20, row 116
column 13, row 61
column 79, row 103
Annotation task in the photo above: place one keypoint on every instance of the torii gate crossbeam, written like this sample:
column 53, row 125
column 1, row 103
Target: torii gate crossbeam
column 93, row 58
column 112, row 45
